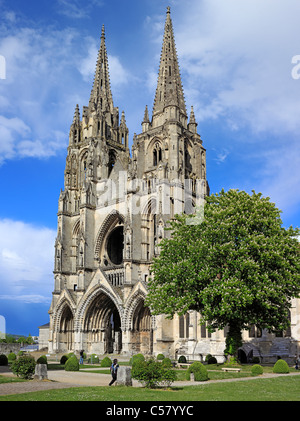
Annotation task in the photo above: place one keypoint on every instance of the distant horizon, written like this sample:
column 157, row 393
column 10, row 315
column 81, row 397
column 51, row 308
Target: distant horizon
column 239, row 70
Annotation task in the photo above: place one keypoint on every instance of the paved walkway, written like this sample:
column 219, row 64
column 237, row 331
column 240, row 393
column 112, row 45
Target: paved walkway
column 59, row 379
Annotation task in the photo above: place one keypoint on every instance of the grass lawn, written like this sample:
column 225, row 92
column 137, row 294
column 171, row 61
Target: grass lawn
column 283, row 388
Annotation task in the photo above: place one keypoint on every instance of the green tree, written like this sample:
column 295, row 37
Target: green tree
column 235, row 264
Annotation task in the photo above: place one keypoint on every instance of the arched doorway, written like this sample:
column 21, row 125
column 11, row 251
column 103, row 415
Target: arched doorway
column 102, row 326
column 66, row 330
column 142, row 333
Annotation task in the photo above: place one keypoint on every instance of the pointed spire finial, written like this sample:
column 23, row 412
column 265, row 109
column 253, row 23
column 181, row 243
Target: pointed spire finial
column 101, row 96
column 168, row 9
column 169, row 91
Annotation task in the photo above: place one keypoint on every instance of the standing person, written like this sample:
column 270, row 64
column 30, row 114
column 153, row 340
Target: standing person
column 81, row 356
column 114, row 369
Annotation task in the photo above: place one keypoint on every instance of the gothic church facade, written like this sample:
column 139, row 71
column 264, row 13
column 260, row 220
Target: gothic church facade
column 112, row 215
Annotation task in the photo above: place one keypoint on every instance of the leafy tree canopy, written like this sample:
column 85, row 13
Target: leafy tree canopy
column 235, row 264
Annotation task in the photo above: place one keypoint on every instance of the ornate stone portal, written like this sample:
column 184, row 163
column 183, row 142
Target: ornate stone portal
column 111, row 219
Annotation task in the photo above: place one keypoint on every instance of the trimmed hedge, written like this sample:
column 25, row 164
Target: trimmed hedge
column 72, row 364
column 199, row 370
column 281, row 367
column 256, row 370
column 106, row 362
column 63, row 359
column 42, row 360
column 135, row 358
column 160, row 357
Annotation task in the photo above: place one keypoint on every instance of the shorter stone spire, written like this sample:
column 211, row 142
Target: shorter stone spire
column 192, row 126
column 101, row 96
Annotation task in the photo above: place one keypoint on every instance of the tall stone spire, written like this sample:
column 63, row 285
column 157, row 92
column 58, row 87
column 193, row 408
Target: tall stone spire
column 101, row 96
column 169, row 91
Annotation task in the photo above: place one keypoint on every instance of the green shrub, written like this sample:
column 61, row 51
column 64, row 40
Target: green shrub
column 256, row 370
column 281, row 366
column 199, row 370
column 208, row 356
column 24, row 367
column 20, row 353
column 182, row 359
column 11, row 357
column 94, row 359
column 160, row 357
column 72, row 364
column 151, row 373
column 167, row 363
column 106, row 362
column 3, row 359
column 212, row 360
column 255, row 360
column 137, row 357
column 42, row 360
column 63, row 359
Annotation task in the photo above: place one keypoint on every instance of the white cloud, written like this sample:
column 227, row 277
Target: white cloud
column 118, row 74
column 239, row 58
column 26, row 261
column 37, row 98
column 77, row 9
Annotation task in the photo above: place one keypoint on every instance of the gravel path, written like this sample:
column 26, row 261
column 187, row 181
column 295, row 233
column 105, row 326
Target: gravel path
column 60, row 379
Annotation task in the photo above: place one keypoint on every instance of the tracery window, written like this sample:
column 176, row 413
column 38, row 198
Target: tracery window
column 157, row 154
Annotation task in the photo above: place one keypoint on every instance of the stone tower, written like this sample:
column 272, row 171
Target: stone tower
column 113, row 211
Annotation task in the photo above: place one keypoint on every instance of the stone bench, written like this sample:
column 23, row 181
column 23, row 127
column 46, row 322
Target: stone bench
column 237, row 370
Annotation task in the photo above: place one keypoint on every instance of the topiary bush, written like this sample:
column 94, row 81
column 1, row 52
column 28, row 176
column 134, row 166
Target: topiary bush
column 137, row 357
column 208, row 356
column 160, row 357
column 72, row 364
column 24, row 367
column 167, row 363
column 3, row 359
column 281, row 367
column 256, row 370
column 42, row 360
column 11, row 357
column 212, row 360
column 182, row 359
column 199, row 370
column 255, row 360
column 106, row 362
column 63, row 359
column 94, row 359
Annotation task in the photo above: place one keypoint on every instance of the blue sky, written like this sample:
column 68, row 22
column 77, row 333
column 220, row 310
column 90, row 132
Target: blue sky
column 236, row 66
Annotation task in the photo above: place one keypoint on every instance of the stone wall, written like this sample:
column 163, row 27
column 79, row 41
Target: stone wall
column 8, row 348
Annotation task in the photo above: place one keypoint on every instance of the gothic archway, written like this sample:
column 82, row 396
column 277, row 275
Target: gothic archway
column 66, row 329
column 141, row 329
column 102, row 325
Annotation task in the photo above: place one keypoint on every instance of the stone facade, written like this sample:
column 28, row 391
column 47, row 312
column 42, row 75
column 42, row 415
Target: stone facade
column 112, row 215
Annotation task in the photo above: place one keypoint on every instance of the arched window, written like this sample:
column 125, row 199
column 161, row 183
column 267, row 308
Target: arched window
column 184, row 322
column 157, row 154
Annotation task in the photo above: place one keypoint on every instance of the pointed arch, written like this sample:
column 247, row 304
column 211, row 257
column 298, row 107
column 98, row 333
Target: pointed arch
column 110, row 221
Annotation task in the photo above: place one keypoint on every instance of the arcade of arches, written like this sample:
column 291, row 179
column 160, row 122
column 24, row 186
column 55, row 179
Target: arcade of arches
column 102, row 327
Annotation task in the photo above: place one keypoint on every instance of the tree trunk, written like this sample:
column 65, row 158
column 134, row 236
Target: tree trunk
column 233, row 343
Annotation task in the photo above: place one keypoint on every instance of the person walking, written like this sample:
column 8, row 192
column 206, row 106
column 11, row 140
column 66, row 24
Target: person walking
column 81, row 356
column 114, row 370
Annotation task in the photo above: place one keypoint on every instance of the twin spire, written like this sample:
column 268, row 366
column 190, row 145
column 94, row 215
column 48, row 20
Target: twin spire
column 169, row 89
column 101, row 96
